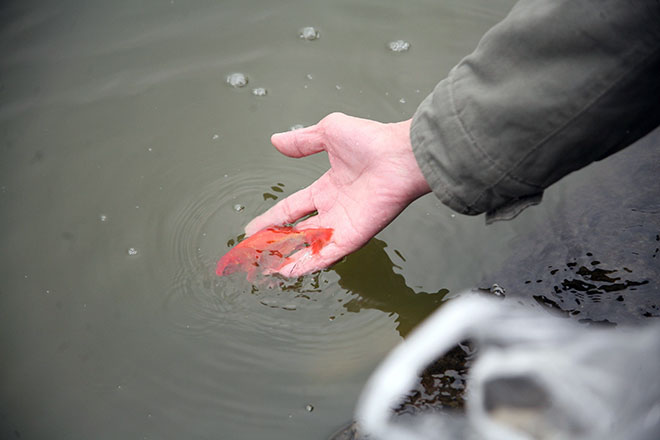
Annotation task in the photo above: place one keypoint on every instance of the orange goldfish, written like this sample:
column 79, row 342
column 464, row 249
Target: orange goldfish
column 269, row 249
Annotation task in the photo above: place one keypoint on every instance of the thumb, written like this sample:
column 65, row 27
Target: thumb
column 298, row 143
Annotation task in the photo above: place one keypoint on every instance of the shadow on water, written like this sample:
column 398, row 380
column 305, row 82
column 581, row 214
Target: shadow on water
column 369, row 278
column 370, row 274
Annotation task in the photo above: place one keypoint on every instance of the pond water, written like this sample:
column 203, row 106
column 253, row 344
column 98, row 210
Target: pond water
column 129, row 166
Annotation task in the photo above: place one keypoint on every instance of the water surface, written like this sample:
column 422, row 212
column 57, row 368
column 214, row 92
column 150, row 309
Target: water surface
column 128, row 167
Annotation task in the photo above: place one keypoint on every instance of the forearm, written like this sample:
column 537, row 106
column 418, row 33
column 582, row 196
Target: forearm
column 553, row 87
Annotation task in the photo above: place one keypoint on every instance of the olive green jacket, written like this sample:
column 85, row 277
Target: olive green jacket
column 556, row 85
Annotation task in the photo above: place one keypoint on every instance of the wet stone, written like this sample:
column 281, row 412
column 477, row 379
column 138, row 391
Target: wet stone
column 237, row 80
column 398, row 46
column 309, row 33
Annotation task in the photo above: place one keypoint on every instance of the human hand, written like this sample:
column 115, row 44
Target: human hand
column 373, row 176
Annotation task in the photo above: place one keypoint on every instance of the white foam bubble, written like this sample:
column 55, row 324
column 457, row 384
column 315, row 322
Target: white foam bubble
column 237, row 80
column 398, row 46
column 309, row 33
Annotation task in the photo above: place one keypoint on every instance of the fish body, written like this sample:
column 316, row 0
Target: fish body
column 269, row 249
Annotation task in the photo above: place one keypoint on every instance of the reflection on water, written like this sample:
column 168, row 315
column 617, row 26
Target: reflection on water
column 370, row 274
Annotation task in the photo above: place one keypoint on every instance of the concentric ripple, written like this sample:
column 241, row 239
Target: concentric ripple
column 298, row 331
column 199, row 232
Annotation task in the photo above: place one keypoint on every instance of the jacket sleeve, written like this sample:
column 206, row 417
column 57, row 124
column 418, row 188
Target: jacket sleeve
column 553, row 87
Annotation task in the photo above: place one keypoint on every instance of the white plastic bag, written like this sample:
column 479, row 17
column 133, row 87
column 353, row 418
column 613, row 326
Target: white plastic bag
column 535, row 377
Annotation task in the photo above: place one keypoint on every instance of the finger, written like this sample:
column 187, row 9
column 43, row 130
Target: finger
column 345, row 236
column 285, row 211
column 299, row 143
column 304, row 261
column 313, row 222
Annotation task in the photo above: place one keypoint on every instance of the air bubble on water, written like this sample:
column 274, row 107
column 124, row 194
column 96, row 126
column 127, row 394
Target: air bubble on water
column 215, row 136
column 338, row 87
column 103, row 218
column 238, row 207
column 398, row 46
column 296, row 127
column 150, row 149
column 259, row 91
column 47, row 291
column 137, row 206
column 309, row 76
column 309, row 33
column 309, row 407
column 226, row 175
column 402, row 100
column 132, row 251
column 237, row 80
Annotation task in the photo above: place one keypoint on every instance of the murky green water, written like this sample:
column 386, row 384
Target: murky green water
column 123, row 156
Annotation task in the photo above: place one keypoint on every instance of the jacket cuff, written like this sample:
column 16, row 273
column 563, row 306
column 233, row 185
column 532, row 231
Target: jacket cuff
column 432, row 124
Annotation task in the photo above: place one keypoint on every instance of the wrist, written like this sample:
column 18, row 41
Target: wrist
column 415, row 180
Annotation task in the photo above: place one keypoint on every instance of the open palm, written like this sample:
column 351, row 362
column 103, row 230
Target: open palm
column 373, row 176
